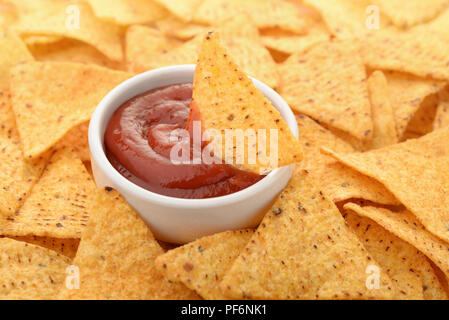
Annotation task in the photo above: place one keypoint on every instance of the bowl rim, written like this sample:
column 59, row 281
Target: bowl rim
column 97, row 151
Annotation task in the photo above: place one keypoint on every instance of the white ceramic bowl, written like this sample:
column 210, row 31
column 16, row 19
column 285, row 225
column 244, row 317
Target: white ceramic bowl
column 182, row 220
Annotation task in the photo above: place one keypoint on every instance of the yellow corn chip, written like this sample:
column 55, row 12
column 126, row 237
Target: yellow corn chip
column 405, row 14
column 405, row 226
column 418, row 52
column 8, row 14
column 75, row 21
column 65, row 247
column 397, row 258
column 58, row 205
column 77, row 139
column 183, row 9
column 442, row 115
column 383, row 118
column 426, row 158
column 29, row 271
column 227, row 99
column 407, row 94
column 201, row 265
column 338, row 182
column 116, row 256
column 49, row 99
column 126, row 12
column 13, row 52
column 266, row 14
column 303, row 250
column 348, row 18
column 328, row 83
column 68, row 50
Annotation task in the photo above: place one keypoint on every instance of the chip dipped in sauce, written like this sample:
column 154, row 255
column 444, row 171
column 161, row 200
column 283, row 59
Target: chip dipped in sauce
column 138, row 145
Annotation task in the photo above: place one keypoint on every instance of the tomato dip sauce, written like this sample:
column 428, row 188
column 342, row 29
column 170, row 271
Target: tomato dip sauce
column 138, row 145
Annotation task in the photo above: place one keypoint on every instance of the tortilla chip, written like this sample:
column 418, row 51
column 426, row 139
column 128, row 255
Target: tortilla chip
column 49, row 99
column 65, row 247
column 400, row 260
column 226, row 98
column 58, row 205
column 182, row 9
column 29, row 271
column 303, row 250
column 382, row 112
column 201, row 265
column 407, row 93
column 328, row 83
column 172, row 27
column 406, row 14
column 68, row 50
column 17, row 176
column 417, row 51
column 265, row 14
column 13, row 52
column 405, row 226
column 422, row 122
column 52, row 21
column 77, row 138
column 442, row 115
column 338, row 182
column 426, row 158
column 127, row 12
column 116, row 256
column 346, row 19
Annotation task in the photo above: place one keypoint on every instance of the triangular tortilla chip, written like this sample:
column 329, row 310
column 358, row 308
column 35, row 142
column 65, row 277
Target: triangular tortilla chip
column 432, row 284
column 182, row 9
column 227, row 99
column 406, row 14
column 328, row 83
column 30, row 272
column 173, row 27
column 338, row 182
column 266, row 14
column 303, row 249
column 407, row 93
column 397, row 258
column 77, row 138
column 422, row 122
column 49, row 99
column 416, row 172
column 384, row 124
column 405, row 226
column 201, row 265
column 65, row 247
column 116, row 256
column 58, row 205
column 75, row 21
column 442, row 115
column 417, row 51
column 126, row 12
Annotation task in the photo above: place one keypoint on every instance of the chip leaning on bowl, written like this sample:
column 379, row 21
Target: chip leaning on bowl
column 372, row 112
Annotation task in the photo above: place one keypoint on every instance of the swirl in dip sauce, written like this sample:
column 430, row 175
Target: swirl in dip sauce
column 138, row 146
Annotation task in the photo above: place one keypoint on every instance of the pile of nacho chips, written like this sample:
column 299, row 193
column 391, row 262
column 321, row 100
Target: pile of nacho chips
column 366, row 213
